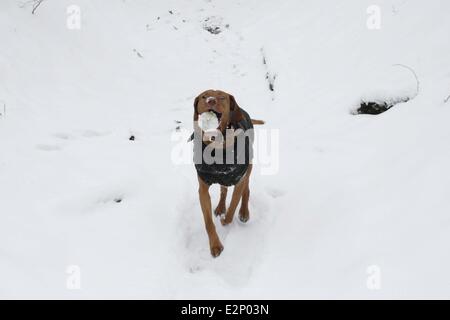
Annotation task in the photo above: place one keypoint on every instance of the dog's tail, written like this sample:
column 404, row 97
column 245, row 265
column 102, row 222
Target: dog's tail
column 258, row 122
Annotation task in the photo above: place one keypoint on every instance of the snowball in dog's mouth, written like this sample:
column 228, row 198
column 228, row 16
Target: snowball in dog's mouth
column 209, row 121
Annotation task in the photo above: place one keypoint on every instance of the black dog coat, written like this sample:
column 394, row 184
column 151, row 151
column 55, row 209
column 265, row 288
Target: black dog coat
column 221, row 172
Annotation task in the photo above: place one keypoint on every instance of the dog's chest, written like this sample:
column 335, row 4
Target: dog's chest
column 225, row 166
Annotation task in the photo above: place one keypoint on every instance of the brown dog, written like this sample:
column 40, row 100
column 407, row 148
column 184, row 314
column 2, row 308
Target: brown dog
column 231, row 117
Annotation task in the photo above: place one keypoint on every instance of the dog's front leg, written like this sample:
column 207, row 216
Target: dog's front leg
column 205, row 202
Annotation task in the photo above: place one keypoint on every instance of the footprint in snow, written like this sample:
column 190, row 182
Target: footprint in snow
column 63, row 136
column 48, row 147
column 275, row 193
column 93, row 134
column 92, row 202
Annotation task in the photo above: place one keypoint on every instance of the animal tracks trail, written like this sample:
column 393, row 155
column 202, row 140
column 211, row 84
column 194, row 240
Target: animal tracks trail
column 245, row 244
column 48, row 147
column 63, row 139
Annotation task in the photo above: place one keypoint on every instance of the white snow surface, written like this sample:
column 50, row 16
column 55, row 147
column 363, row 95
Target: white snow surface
column 352, row 191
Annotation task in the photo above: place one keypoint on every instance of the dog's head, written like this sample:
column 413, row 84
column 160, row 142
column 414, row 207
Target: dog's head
column 221, row 103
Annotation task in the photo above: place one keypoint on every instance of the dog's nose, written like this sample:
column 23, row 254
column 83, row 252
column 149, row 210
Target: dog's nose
column 211, row 101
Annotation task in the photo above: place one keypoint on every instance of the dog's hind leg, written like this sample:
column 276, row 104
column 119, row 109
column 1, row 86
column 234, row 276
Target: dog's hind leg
column 221, row 206
column 244, row 214
column 237, row 195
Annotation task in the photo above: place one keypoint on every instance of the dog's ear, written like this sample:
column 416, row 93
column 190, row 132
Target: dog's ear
column 196, row 109
column 236, row 114
column 233, row 104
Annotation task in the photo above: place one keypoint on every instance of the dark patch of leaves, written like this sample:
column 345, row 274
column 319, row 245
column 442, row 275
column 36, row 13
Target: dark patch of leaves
column 373, row 108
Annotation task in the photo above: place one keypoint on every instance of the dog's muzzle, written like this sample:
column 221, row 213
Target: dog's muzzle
column 211, row 101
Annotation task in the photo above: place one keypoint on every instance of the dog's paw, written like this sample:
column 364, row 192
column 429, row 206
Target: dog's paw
column 225, row 221
column 220, row 210
column 216, row 249
column 244, row 216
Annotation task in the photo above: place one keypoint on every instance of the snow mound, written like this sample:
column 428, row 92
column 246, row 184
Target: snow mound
column 388, row 87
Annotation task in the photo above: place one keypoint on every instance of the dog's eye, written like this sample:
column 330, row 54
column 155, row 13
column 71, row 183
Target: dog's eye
column 222, row 98
column 203, row 97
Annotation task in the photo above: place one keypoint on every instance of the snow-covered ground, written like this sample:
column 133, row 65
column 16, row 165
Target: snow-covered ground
column 360, row 205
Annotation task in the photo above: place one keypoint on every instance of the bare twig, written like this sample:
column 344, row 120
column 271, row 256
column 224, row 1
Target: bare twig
column 447, row 99
column 34, row 3
column 270, row 76
column 37, row 3
column 138, row 54
column 3, row 115
column 415, row 76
